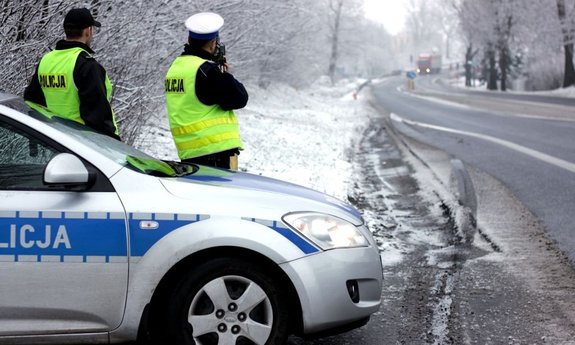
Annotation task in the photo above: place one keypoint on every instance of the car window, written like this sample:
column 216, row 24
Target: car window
column 22, row 159
column 115, row 150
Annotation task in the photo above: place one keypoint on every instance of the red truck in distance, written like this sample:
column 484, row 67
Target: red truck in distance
column 428, row 63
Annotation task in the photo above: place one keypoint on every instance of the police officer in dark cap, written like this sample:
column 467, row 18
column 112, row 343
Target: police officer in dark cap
column 70, row 82
column 201, row 96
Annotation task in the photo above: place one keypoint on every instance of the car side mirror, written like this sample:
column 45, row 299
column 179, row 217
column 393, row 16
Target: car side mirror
column 67, row 171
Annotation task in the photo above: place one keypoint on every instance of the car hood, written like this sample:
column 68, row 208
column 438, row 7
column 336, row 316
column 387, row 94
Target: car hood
column 248, row 182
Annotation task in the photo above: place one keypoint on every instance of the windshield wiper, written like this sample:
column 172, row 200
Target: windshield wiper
column 182, row 169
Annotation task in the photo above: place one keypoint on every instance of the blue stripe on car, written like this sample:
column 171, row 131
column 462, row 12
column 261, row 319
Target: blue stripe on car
column 142, row 240
column 291, row 235
column 71, row 234
column 84, row 237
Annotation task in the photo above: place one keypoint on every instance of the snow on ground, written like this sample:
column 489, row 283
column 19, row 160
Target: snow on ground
column 560, row 92
column 297, row 135
column 302, row 135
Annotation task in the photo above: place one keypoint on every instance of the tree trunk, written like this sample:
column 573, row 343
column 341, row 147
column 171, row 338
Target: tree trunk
column 503, row 65
column 492, row 78
column 569, row 76
column 336, row 8
column 468, row 59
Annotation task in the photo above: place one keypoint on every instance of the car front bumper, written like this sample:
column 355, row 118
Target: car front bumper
column 337, row 287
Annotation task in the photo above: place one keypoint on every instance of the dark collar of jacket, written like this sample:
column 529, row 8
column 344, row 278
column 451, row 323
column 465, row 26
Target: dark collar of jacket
column 63, row 44
column 188, row 50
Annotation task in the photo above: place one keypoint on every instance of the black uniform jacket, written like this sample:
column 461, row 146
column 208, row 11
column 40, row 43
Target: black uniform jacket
column 89, row 78
column 215, row 87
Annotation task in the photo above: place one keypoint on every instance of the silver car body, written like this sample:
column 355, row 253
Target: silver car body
column 79, row 266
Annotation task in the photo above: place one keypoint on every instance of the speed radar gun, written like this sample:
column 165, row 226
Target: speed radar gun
column 220, row 55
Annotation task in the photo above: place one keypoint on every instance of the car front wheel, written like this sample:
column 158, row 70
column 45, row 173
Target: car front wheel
column 228, row 301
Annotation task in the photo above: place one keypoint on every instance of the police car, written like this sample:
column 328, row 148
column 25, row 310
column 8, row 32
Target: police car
column 101, row 243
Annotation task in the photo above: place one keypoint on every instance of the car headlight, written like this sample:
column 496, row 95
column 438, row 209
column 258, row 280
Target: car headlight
column 326, row 231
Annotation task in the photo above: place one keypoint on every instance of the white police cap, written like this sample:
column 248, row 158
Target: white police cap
column 204, row 25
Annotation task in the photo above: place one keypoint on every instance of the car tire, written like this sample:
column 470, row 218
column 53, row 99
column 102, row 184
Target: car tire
column 228, row 301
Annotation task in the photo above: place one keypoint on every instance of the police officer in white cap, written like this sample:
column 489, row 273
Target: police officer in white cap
column 201, row 95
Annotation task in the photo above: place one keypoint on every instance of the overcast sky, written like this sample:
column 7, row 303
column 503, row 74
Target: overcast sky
column 389, row 12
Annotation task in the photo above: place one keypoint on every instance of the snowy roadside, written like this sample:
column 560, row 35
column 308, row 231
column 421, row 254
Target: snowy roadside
column 309, row 137
column 568, row 92
column 297, row 135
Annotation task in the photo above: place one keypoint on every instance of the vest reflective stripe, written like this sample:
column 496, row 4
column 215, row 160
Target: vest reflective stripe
column 56, row 77
column 203, row 125
column 198, row 143
column 198, row 129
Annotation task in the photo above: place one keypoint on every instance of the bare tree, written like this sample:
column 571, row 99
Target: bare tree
column 475, row 22
column 526, row 30
column 449, row 26
column 335, row 7
column 267, row 41
column 424, row 24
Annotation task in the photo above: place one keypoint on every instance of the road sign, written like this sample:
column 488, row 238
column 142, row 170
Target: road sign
column 411, row 75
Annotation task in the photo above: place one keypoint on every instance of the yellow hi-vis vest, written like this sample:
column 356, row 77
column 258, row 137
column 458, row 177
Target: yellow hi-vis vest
column 56, row 77
column 198, row 129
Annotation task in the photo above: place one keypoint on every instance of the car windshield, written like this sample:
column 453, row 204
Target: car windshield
column 116, row 150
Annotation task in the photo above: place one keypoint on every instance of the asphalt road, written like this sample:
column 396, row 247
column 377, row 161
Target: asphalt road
column 532, row 154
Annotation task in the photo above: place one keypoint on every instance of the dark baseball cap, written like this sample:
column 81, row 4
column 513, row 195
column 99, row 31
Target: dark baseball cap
column 80, row 18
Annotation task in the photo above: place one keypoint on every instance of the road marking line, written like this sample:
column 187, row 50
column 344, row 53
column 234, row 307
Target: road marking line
column 530, row 152
column 504, row 113
column 444, row 102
